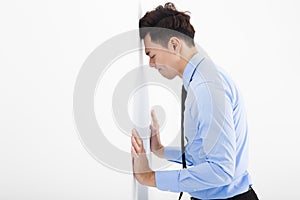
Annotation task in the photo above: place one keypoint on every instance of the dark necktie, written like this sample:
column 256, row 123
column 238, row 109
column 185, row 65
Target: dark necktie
column 183, row 97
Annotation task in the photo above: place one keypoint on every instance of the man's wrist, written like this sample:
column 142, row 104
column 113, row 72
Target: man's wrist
column 160, row 152
column 150, row 179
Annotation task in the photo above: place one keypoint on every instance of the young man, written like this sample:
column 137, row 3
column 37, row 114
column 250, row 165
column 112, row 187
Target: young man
column 215, row 123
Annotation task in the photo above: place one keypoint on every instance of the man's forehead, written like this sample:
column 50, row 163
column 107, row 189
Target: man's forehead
column 148, row 43
column 150, row 46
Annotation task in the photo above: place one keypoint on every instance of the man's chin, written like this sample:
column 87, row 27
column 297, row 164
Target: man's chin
column 168, row 77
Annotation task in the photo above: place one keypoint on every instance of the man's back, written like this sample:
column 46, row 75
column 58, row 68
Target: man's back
column 216, row 129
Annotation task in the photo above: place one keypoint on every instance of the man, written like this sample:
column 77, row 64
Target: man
column 215, row 123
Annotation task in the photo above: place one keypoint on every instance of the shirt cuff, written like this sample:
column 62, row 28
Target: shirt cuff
column 167, row 180
column 173, row 154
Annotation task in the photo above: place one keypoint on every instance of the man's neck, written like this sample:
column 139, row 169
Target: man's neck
column 186, row 56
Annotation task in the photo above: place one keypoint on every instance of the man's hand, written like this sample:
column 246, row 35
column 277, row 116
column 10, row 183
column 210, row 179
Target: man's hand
column 155, row 145
column 141, row 169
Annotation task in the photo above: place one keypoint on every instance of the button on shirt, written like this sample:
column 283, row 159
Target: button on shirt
column 215, row 127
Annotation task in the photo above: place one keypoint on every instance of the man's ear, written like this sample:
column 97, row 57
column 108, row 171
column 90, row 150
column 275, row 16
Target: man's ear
column 174, row 44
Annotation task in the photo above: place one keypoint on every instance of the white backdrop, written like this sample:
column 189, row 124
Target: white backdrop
column 44, row 43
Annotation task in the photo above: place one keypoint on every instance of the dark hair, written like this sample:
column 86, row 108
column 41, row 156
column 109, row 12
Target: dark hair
column 165, row 22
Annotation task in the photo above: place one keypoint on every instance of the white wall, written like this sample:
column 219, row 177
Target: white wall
column 44, row 43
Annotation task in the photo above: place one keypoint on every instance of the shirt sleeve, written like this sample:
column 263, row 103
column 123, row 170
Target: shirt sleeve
column 173, row 154
column 214, row 112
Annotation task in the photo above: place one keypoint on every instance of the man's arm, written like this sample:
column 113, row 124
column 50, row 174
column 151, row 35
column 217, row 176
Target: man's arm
column 172, row 154
column 215, row 155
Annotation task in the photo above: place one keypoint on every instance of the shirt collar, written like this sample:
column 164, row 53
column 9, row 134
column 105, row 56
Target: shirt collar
column 190, row 69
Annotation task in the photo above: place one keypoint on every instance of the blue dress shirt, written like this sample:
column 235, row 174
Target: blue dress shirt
column 215, row 126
